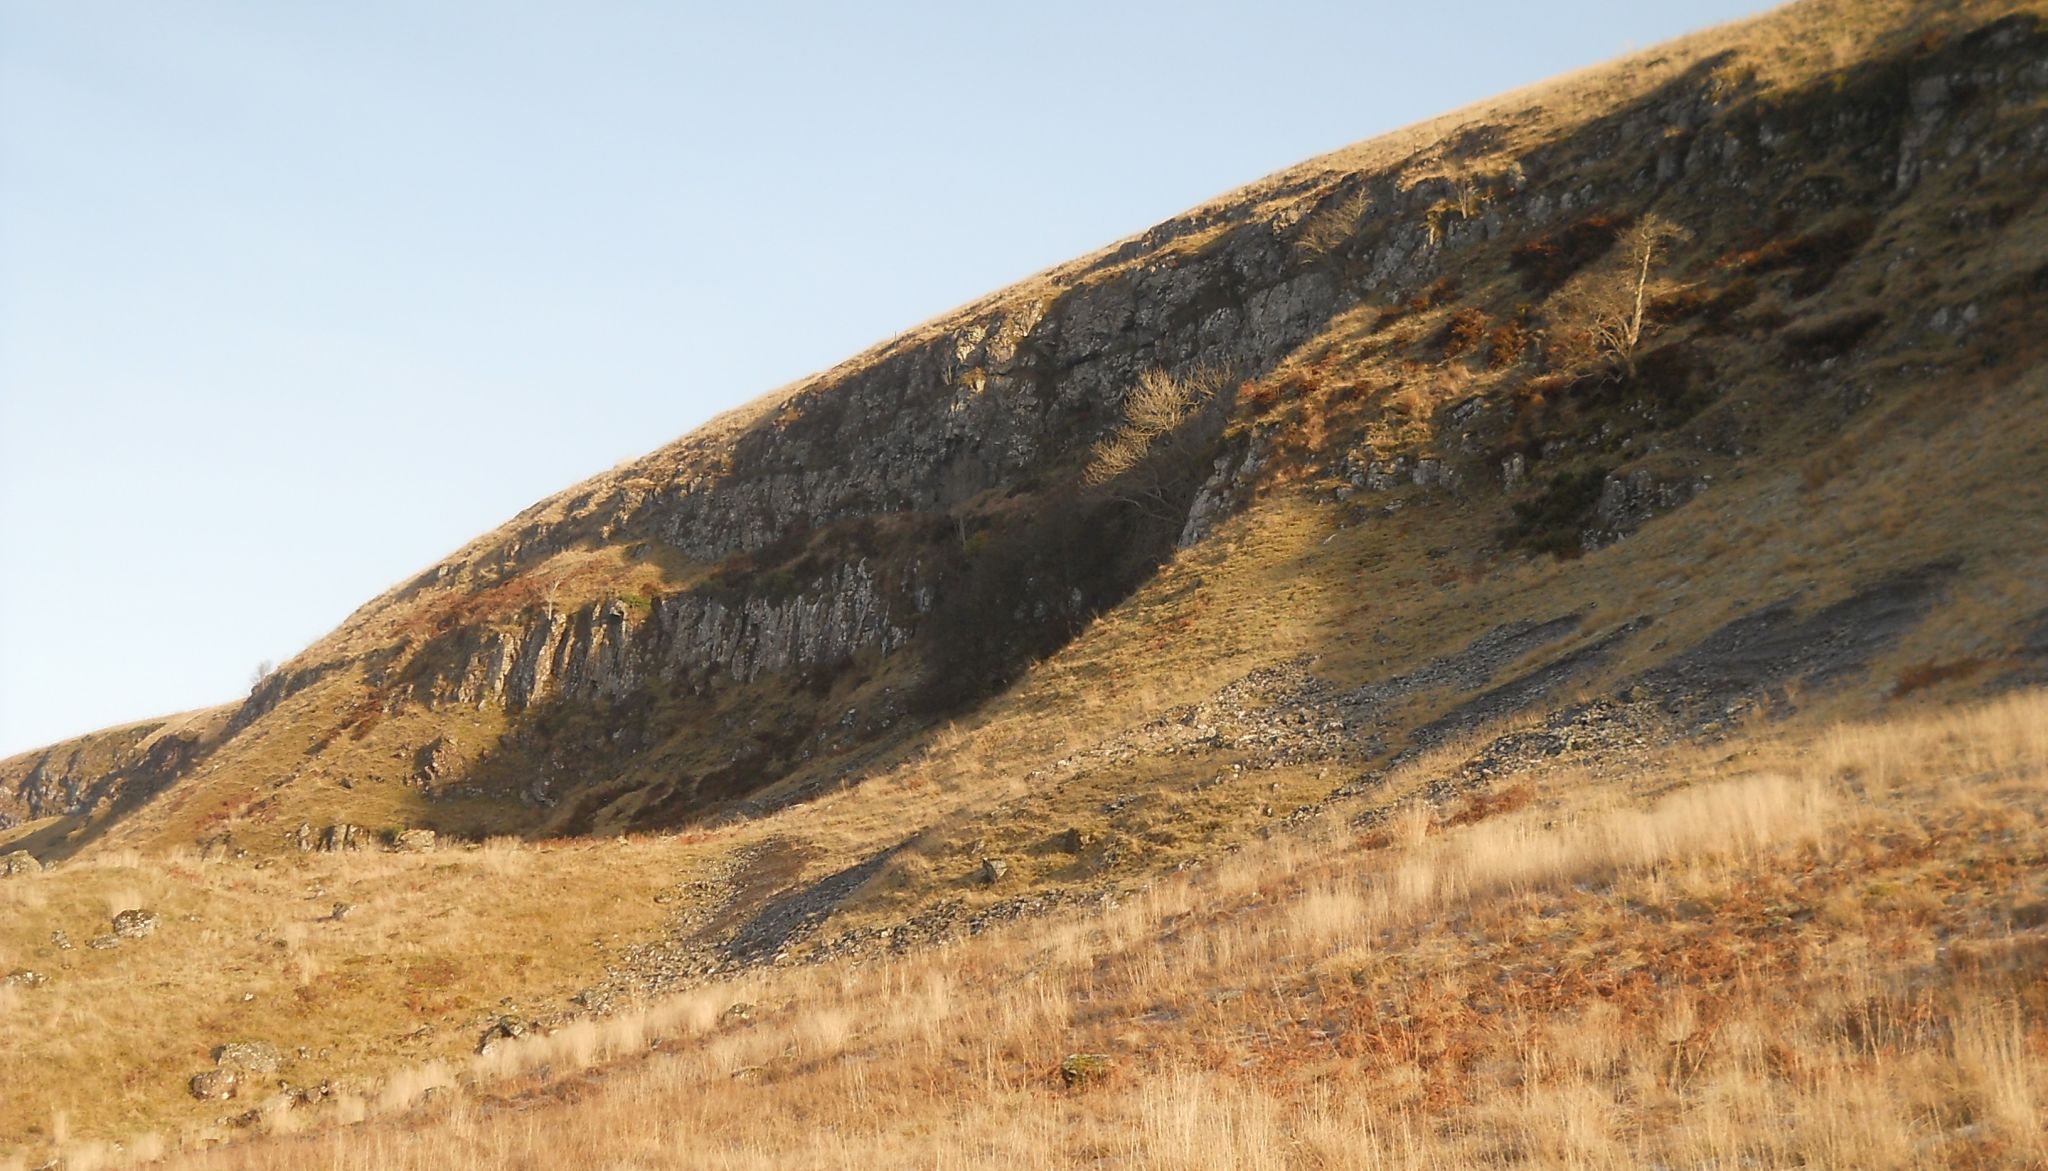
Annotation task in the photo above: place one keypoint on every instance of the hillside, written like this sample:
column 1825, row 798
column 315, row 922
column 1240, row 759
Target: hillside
column 1549, row 465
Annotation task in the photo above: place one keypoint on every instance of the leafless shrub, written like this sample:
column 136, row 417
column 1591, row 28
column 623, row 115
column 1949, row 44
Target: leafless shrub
column 1613, row 306
column 1329, row 227
column 1169, row 425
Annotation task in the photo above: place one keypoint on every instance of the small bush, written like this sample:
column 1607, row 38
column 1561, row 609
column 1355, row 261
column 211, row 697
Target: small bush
column 1720, row 308
column 1484, row 805
column 1464, row 333
column 1818, row 254
column 1509, row 341
column 1546, row 264
column 1929, row 674
column 1331, row 226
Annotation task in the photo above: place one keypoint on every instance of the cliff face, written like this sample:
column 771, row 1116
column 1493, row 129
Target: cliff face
column 847, row 536
column 606, row 650
column 81, row 776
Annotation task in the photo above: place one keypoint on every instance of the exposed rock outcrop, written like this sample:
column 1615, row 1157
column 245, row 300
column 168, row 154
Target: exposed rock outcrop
column 829, row 523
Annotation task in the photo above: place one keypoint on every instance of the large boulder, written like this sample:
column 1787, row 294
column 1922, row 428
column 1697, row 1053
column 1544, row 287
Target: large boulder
column 214, row 1085
column 414, row 841
column 135, row 924
column 248, row 1057
column 342, row 837
column 19, row 862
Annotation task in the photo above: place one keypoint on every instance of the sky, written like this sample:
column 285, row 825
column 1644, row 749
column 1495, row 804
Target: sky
column 297, row 298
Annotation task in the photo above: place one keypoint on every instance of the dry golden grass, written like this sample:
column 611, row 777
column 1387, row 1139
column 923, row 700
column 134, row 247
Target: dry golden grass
column 1289, row 576
column 1787, row 952
column 430, row 947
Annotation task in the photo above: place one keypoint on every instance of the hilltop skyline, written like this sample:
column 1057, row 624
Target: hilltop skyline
column 298, row 302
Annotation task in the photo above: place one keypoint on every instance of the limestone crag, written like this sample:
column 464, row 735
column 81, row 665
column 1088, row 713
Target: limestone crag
column 76, row 776
column 606, row 650
column 832, row 522
column 1013, row 386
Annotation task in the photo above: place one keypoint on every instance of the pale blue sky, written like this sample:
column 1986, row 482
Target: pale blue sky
column 297, row 297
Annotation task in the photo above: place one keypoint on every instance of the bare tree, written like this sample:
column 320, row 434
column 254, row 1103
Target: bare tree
column 1616, row 308
column 1168, row 428
column 1330, row 227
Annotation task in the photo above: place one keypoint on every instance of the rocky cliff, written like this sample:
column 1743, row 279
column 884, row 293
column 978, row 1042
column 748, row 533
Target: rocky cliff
column 803, row 580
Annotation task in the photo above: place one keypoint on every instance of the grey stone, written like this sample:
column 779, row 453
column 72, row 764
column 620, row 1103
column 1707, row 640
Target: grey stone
column 1513, row 470
column 342, row 837
column 503, row 1029
column 135, row 924
column 249, row 1057
column 19, row 862
column 1381, row 475
column 214, row 1085
column 993, row 870
column 437, row 760
column 414, row 841
column 1629, row 500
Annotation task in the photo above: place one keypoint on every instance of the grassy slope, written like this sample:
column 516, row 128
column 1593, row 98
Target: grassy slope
column 438, row 941
column 1946, row 466
column 1786, row 951
column 1362, row 388
column 267, row 782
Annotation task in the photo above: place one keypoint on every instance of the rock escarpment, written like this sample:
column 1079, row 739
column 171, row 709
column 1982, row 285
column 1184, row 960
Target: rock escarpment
column 788, row 582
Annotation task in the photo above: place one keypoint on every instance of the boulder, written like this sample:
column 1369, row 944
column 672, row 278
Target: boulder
column 23, row 978
column 414, row 841
column 993, row 870
column 135, row 924
column 1630, row 500
column 19, row 862
column 1513, row 470
column 435, row 762
column 342, row 836
column 504, row 1029
column 248, row 1057
column 215, row 1085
